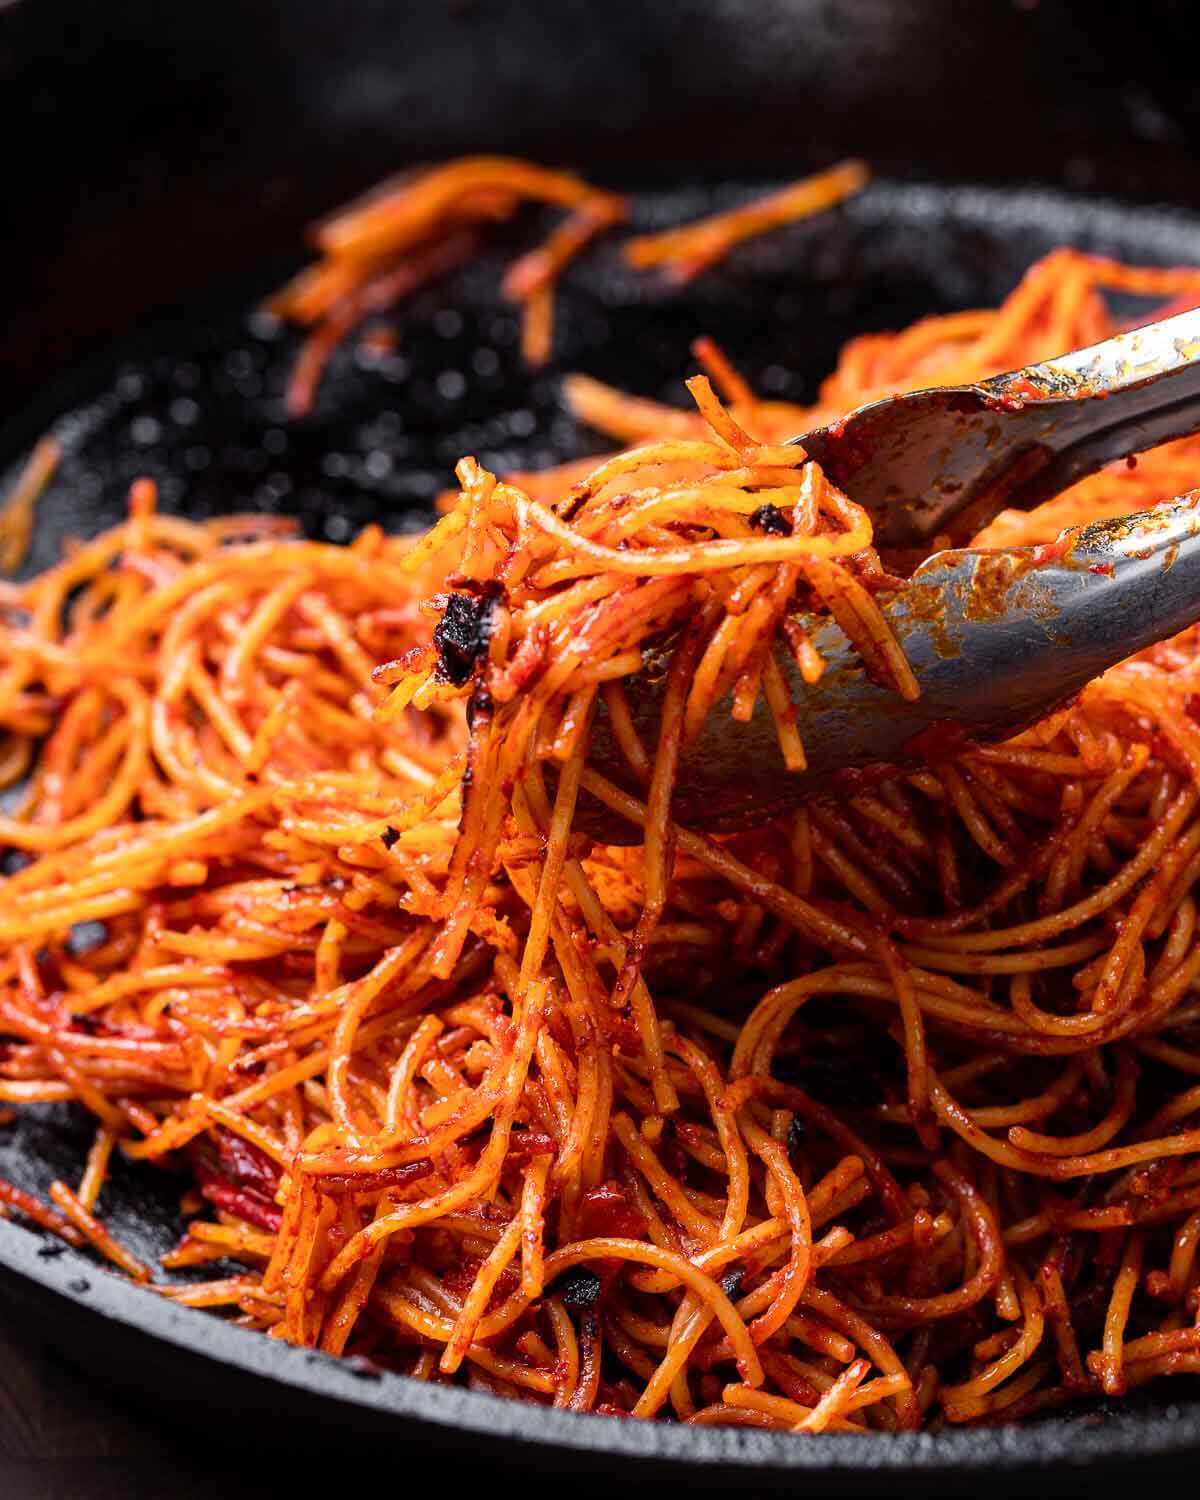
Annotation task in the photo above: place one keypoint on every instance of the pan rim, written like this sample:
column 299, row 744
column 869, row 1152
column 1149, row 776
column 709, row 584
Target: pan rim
column 1057, row 1442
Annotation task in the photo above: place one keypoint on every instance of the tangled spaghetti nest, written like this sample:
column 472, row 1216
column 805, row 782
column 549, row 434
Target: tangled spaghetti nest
column 879, row 1116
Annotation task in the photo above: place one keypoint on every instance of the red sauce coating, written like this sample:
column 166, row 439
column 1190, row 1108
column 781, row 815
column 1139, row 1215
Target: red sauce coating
column 940, row 741
column 853, row 780
column 605, row 1211
column 243, row 1202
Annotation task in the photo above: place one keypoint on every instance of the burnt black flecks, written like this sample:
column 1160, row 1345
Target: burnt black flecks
column 771, row 519
column 578, row 1287
column 460, row 635
column 480, row 702
column 389, row 836
column 797, row 1131
column 731, row 1282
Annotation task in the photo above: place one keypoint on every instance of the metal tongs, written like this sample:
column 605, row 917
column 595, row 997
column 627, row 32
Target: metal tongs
column 996, row 637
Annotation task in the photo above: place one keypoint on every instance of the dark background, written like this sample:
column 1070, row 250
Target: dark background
column 62, row 1437
column 150, row 151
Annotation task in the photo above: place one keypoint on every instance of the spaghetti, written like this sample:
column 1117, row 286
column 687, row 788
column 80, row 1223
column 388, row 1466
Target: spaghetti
column 411, row 231
column 885, row 1115
column 406, row 233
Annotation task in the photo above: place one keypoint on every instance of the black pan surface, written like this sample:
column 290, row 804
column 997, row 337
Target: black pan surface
column 196, row 402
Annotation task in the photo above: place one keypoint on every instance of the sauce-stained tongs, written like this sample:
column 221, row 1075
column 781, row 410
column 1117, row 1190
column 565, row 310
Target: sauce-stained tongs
column 995, row 637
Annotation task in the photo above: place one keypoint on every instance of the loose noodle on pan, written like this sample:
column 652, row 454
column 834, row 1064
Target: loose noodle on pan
column 882, row 1116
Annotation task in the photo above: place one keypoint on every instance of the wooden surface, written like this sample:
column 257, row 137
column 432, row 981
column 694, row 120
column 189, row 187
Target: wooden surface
column 62, row 1437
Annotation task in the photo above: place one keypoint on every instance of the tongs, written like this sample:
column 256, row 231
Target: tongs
column 996, row 637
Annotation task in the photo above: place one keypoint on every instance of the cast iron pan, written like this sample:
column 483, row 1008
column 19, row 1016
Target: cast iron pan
column 196, row 402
